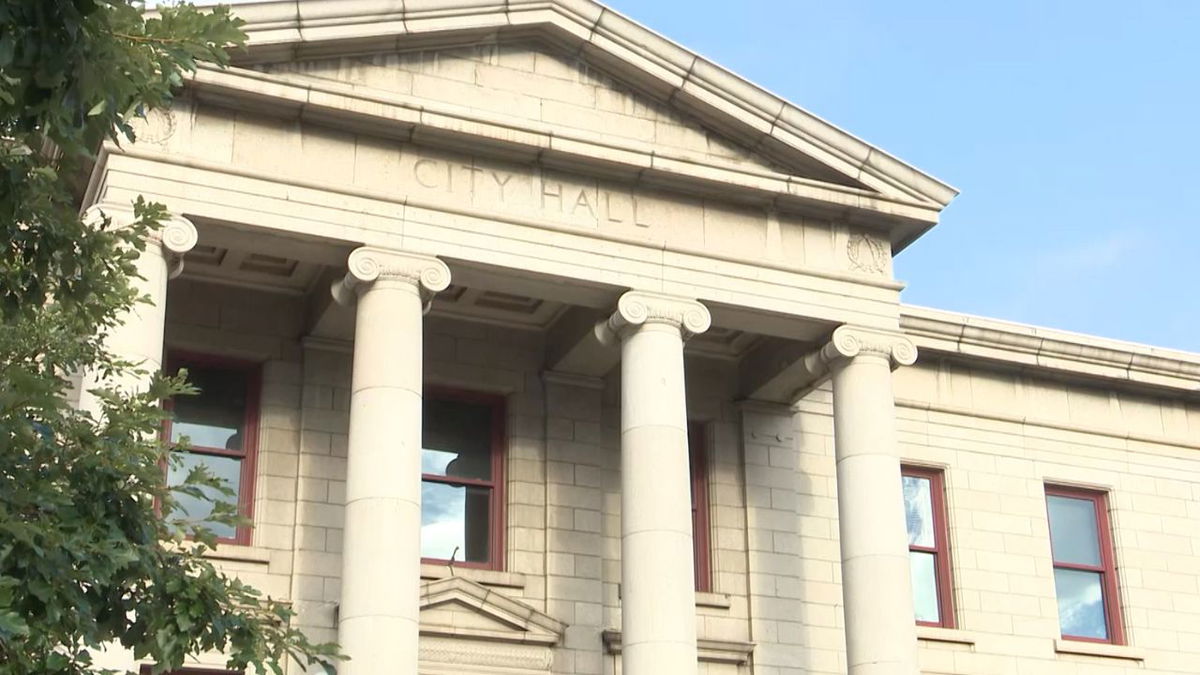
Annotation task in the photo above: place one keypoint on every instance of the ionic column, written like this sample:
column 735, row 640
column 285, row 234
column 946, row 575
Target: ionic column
column 658, row 599
column 876, row 588
column 139, row 336
column 379, row 615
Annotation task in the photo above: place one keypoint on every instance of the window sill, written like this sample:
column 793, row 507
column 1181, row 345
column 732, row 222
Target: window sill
column 950, row 635
column 1100, row 649
column 483, row 577
column 236, row 553
column 231, row 553
column 715, row 600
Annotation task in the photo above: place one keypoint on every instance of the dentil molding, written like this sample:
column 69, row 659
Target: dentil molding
column 639, row 308
column 368, row 265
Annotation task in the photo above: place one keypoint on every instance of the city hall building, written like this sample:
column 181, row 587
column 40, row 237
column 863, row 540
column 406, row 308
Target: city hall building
column 532, row 342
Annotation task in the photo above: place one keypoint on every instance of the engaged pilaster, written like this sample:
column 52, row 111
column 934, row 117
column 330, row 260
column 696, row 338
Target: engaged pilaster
column 379, row 615
column 658, row 599
column 876, row 588
column 138, row 338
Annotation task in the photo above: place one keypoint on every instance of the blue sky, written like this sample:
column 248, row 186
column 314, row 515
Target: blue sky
column 1072, row 128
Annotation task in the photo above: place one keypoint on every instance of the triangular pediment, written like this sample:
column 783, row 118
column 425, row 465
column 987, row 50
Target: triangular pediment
column 570, row 85
column 537, row 83
column 458, row 607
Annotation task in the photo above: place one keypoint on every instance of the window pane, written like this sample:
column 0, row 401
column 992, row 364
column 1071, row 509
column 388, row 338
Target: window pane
column 457, row 439
column 228, row 469
column 918, row 511
column 1080, row 603
column 924, row 586
column 215, row 417
column 455, row 517
column 1073, row 535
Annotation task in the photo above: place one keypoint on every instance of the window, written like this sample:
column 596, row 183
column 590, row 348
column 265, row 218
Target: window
column 928, row 546
column 1085, row 576
column 698, row 466
column 221, row 426
column 462, row 479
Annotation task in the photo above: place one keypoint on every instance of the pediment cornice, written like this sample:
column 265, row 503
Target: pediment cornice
column 526, row 625
column 875, row 188
column 445, row 125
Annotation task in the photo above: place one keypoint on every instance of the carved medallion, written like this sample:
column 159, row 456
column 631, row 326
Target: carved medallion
column 867, row 254
column 157, row 127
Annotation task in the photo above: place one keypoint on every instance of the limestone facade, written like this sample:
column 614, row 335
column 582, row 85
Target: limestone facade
column 643, row 258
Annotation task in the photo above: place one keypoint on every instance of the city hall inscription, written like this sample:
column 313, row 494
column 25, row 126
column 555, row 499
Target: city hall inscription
column 538, row 191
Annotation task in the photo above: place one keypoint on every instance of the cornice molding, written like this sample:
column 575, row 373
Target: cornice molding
column 369, row 265
column 501, row 136
column 1044, row 350
column 639, row 308
column 530, row 626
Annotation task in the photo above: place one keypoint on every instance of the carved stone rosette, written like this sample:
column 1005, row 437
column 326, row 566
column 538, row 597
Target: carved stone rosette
column 848, row 342
column 639, row 308
column 176, row 235
column 369, row 265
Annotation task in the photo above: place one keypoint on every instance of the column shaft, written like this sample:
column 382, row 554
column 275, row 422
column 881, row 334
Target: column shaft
column 138, row 338
column 876, row 588
column 658, row 599
column 379, row 615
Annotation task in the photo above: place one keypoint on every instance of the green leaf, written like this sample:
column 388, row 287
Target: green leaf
column 87, row 557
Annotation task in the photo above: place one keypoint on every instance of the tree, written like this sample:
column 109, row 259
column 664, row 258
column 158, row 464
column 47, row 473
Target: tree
column 91, row 548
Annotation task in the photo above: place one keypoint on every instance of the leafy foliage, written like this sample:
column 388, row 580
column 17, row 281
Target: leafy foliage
column 91, row 551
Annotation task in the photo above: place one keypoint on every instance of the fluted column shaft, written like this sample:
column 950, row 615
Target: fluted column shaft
column 379, row 615
column 658, row 599
column 139, row 336
column 876, row 587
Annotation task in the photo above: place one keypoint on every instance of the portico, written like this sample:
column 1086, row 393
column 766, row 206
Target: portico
column 645, row 234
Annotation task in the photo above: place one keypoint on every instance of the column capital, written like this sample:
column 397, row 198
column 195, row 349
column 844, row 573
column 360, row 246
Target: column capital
column 368, row 265
column 640, row 308
column 175, row 235
column 849, row 342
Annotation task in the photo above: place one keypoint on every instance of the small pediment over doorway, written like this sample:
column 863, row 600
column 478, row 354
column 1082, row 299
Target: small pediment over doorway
column 469, row 628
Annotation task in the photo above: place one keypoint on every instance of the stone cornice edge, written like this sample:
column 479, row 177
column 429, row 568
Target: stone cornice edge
column 1020, row 345
column 286, row 24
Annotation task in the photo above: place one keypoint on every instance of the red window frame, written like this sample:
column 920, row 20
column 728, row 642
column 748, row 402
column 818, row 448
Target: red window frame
column 249, row 452
column 497, row 503
column 701, row 540
column 1107, row 567
column 941, row 543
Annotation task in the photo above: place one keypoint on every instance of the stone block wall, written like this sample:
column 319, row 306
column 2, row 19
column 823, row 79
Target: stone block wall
column 999, row 437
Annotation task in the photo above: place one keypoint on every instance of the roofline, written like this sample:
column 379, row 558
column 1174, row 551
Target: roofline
column 299, row 26
column 1051, row 351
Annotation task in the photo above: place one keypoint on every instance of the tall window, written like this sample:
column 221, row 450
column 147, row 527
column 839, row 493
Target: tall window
column 221, row 427
column 698, row 466
column 928, row 546
column 1085, row 576
column 462, row 479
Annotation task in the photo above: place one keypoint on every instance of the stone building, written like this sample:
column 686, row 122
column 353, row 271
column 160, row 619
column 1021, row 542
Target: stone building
column 477, row 454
